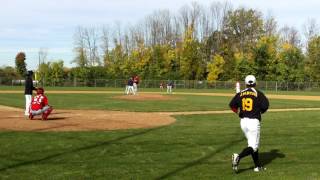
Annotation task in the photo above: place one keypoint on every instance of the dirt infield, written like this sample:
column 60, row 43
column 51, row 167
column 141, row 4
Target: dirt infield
column 80, row 120
column 90, row 120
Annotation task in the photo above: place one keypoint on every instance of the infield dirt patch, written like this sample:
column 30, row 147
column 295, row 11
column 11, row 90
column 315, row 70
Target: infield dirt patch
column 81, row 120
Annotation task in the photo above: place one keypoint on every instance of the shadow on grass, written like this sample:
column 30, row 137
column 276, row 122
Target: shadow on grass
column 200, row 160
column 99, row 144
column 266, row 158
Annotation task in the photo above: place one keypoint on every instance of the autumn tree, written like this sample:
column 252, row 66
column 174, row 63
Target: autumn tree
column 21, row 64
column 215, row 68
column 312, row 67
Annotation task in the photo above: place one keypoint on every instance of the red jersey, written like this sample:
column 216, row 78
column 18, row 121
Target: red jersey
column 38, row 102
column 136, row 79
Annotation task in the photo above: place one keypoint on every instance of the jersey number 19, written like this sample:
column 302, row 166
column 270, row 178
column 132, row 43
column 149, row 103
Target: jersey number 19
column 247, row 104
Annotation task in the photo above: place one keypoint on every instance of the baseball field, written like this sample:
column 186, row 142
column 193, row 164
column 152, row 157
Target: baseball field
column 100, row 133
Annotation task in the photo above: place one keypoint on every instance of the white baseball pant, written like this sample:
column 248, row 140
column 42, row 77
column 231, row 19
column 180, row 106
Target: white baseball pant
column 251, row 129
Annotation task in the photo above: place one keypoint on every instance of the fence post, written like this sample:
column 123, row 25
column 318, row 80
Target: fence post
column 266, row 87
column 74, row 82
column 276, row 86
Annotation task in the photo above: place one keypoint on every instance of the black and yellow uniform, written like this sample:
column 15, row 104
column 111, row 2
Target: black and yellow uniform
column 251, row 103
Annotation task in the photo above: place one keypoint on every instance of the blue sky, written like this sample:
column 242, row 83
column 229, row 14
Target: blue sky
column 27, row 25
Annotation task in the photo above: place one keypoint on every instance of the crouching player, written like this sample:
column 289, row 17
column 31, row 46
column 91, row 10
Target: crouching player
column 40, row 106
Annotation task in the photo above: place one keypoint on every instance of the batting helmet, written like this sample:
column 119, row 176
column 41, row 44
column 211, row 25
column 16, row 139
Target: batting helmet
column 40, row 90
column 250, row 80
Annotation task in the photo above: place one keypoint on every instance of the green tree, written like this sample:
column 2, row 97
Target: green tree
column 265, row 57
column 7, row 74
column 294, row 60
column 44, row 73
column 312, row 63
column 56, row 72
column 243, row 27
column 141, row 56
column 215, row 68
column 244, row 65
column 191, row 59
column 21, row 64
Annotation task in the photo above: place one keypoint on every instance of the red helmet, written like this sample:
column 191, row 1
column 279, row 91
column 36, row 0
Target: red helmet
column 40, row 90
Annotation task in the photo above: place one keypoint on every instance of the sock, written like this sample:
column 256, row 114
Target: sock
column 255, row 157
column 246, row 152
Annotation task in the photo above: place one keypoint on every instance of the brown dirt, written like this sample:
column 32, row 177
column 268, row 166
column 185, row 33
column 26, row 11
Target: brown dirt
column 80, row 120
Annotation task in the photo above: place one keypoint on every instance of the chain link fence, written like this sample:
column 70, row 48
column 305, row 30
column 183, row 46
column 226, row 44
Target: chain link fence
column 179, row 84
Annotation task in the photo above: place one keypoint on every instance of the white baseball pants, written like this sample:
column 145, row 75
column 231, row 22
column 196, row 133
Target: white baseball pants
column 28, row 104
column 251, row 129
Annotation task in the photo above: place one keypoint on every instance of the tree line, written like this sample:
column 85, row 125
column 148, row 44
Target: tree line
column 212, row 43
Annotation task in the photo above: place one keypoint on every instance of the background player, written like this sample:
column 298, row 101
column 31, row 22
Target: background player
column 136, row 81
column 161, row 86
column 252, row 103
column 169, row 86
column 130, row 87
column 28, row 88
column 40, row 106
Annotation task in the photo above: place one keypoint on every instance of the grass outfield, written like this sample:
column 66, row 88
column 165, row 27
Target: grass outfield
column 195, row 147
column 180, row 103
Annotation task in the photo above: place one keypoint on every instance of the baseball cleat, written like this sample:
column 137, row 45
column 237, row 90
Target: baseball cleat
column 235, row 162
column 30, row 116
column 258, row 169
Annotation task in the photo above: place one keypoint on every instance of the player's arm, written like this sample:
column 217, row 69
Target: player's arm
column 264, row 103
column 45, row 101
column 234, row 103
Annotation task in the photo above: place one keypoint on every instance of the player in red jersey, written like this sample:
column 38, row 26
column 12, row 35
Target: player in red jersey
column 40, row 106
column 136, row 81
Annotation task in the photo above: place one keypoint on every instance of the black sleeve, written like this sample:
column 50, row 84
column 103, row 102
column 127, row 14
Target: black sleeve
column 234, row 103
column 264, row 103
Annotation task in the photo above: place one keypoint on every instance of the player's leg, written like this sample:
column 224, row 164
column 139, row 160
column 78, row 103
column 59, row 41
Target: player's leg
column 126, row 91
column 28, row 104
column 46, row 112
column 34, row 113
column 253, row 141
column 131, row 90
column 135, row 89
column 244, row 123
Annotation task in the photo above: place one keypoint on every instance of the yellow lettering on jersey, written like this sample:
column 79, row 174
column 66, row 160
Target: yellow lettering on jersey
column 246, row 93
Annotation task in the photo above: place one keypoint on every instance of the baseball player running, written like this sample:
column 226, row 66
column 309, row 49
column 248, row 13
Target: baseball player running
column 40, row 106
column 251, row 103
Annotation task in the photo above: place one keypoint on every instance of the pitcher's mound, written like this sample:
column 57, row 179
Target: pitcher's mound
column 146, row 97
